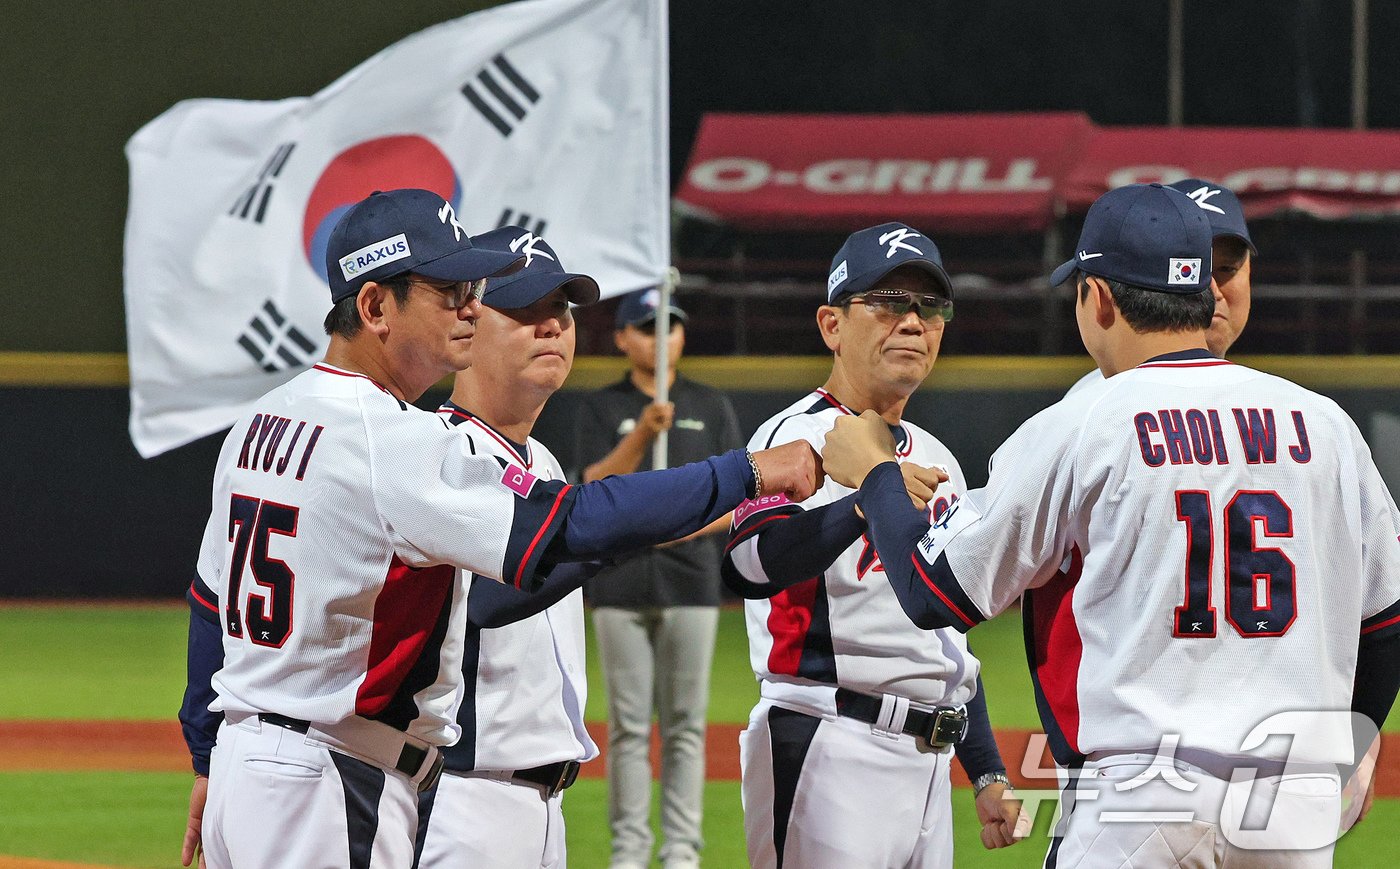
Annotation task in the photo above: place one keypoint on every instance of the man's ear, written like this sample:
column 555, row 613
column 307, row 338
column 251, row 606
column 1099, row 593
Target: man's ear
column 829, row 324
column 370, row 303
column 1101, row 297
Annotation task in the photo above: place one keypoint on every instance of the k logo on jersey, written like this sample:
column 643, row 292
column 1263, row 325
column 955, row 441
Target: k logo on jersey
column 895, row 238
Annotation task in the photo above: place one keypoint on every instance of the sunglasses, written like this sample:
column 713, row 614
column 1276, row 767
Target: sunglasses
column 897, row 303
column 458, row 294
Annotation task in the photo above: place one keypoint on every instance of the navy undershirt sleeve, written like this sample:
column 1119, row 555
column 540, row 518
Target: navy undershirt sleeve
column 1377, row 680
column 620, row 513
column 806, row 544
column 895, row 527
column 978, row 751
column 493, row 604
column 797, row 547
column 205, row 656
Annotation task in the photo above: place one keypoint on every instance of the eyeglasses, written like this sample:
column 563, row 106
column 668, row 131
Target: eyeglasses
column 897, row 303
column 458, row 294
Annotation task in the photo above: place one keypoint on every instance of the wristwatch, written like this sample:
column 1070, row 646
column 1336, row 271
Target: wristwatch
column 988, row 778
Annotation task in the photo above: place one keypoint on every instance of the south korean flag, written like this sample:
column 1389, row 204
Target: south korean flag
column 1184, row 272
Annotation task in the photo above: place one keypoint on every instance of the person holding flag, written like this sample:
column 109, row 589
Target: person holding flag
column 656, row 611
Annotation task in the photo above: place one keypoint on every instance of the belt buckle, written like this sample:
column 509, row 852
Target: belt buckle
column 948, row 728
column 568, row 773
column 431, row 779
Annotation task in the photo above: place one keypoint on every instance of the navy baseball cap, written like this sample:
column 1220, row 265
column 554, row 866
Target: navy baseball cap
column 1145, row 235
column 392, row 232
column 1222, row 208
column 541, row 275
column 870, row 254
column 639, row 308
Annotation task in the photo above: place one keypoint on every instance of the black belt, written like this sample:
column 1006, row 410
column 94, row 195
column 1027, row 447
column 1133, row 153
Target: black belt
column 940, row 728
column 411, row 758
column 553, row 777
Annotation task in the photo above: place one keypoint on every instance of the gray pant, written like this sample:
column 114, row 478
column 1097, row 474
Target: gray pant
column 656, row 657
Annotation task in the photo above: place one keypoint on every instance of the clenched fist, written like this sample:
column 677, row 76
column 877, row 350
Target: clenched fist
column 794, row 469
column 921, row 482
column 854, row 446
column 656, row 417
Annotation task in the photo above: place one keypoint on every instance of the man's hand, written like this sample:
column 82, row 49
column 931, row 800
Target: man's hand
column 921, row 482
column 1003, row 820
column 793, row 469
column 854, row 446
column 193, row 847
column 656, row 418
column 1359, row 793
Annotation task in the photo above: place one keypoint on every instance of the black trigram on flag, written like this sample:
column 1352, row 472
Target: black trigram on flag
column 499, row 90
column 509, row 218
column 274, row 343
column 261, row 190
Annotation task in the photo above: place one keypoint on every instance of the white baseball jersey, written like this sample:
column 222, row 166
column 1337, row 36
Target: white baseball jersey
column 525, row 682
column 846, row 627
column 1199, row 545
column 338, row 515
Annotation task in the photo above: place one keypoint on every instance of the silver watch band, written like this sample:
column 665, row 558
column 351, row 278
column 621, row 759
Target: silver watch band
column 988, row 778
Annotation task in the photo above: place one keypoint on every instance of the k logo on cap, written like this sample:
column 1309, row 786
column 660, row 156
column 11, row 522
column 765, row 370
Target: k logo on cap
column 870, row 254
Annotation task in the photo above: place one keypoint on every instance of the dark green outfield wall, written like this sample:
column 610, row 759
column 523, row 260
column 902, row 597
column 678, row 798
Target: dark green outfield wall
column 81, row 77
column 85, row 517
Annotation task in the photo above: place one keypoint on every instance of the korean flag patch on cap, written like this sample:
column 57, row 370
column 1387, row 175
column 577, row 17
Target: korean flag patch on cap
column 1184, row 271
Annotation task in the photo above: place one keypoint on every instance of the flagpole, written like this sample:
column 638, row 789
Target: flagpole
column 663, row 360
column 672, row 276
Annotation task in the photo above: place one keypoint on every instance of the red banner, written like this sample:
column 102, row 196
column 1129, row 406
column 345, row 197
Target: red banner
column 1002, row 173
column 939, row 173
column 1330, row 174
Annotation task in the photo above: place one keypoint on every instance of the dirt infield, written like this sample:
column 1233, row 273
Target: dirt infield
column 157, row 746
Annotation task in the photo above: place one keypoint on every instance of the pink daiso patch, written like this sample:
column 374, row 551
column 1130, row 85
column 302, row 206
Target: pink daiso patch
column 767, row 502
column 518, row 480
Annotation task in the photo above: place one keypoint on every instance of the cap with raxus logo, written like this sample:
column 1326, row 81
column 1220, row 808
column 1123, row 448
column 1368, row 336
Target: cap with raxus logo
column 870, row 254
column 1144, row 235
column 392, row 232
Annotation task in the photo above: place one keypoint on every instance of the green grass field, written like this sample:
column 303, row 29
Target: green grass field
column 128, row 663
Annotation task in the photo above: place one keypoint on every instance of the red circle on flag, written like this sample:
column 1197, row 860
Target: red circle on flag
column 386, row 163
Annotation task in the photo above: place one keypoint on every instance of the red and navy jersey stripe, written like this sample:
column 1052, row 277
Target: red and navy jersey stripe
column 799, row 621
column 939, row 596
column 1385, row 623
column 1054, row 651
column 203, row 602
column 404, row 657
column 750, row 526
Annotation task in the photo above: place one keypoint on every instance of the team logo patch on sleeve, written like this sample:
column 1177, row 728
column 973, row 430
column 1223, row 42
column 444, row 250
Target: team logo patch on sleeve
column 958, row 516
column 758, row 505
column 518, row 480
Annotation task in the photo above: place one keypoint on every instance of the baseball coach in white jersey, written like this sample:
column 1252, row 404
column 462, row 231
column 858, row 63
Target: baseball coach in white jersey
column 1205, row 555
column 846, row 756
column 499, row 800
column 327, row 575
